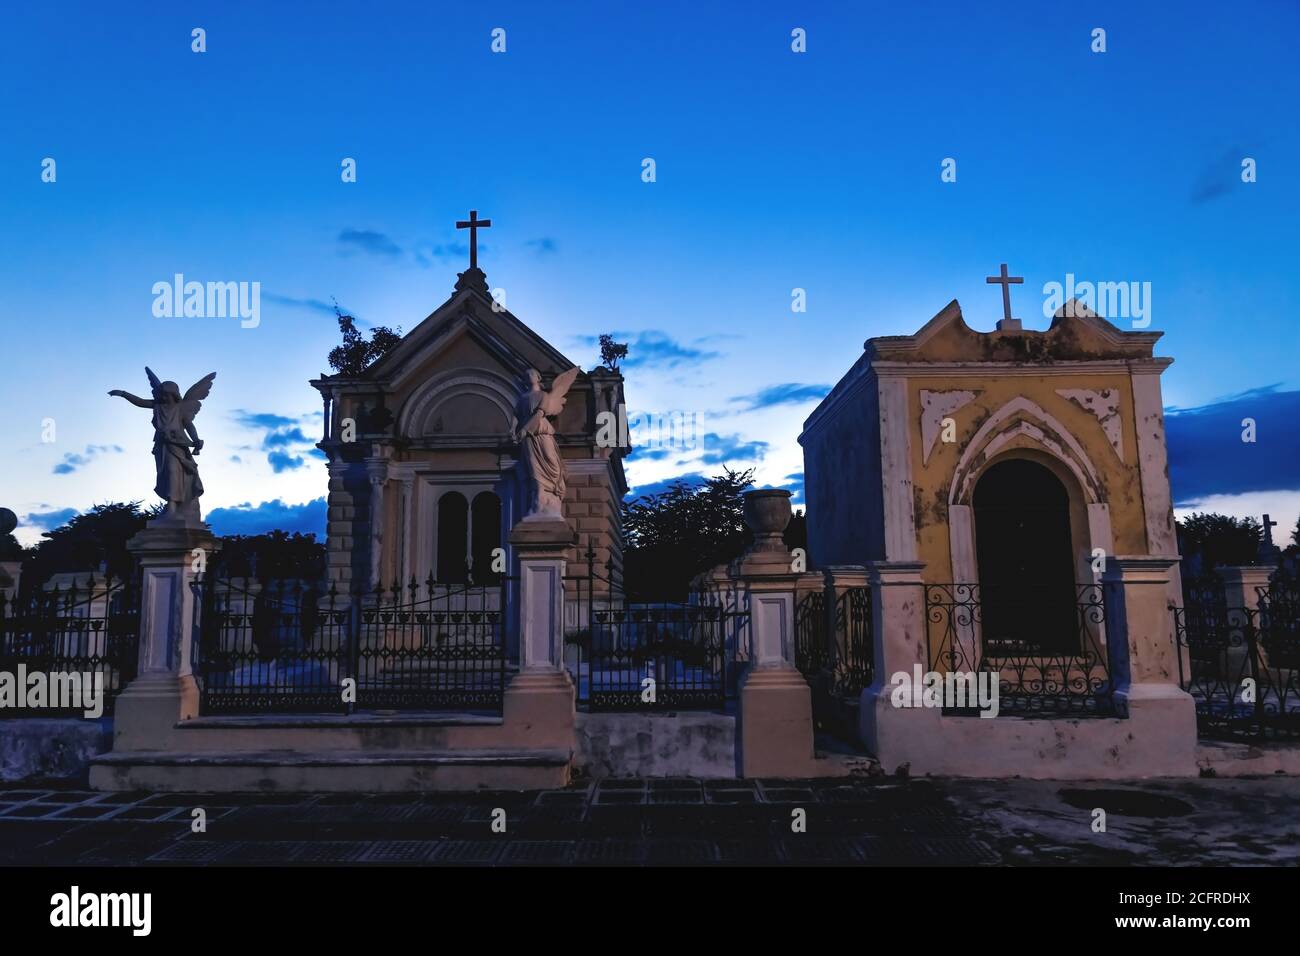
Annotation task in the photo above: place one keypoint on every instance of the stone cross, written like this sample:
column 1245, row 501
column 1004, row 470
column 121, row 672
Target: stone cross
column 473, row 223
column 1006, row 281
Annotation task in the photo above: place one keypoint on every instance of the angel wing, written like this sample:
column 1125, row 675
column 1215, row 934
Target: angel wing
column 154, row 382
column 553, row 402
column 193, row 399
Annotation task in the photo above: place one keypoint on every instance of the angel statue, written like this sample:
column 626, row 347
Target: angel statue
column 174, row 435
column 535, row 432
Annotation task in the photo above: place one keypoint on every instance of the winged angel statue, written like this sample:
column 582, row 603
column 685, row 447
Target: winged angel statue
column 175, row 441
column 535, row 432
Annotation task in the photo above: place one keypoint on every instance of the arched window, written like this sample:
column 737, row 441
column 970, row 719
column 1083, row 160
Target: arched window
column 1025, row 559
column 486, row 524
column 453, row 538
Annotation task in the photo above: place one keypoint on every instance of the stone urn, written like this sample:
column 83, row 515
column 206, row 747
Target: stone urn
column 767, row 512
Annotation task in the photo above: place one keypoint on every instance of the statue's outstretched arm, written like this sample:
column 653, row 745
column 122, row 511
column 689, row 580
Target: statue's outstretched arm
column 133, row 399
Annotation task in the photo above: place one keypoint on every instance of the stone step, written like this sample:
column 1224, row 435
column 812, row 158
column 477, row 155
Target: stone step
column 314, row 733
column 371, row 771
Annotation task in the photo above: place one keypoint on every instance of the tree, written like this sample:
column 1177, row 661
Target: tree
column 88, row 542
column 672, row 536
column 273, row 556
column 611, row 352
column 355, row 355
column 1220, row 540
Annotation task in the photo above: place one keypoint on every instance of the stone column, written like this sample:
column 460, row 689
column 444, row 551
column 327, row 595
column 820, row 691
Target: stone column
column 1142, row 656
column 896, row 736
column 775, row 726
column 1240, row 584
column 538, row 708
column 164, row 691
column 377, row 472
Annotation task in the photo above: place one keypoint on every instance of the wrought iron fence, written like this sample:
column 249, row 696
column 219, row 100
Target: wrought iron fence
column 626, row 654
column 839, row 644
column 1047, row 646
column 290, row 646
column 1241, row 668
column 85, row 634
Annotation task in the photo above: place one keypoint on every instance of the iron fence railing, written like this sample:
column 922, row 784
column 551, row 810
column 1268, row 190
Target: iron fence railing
column 1047, row 645
column 64, row 642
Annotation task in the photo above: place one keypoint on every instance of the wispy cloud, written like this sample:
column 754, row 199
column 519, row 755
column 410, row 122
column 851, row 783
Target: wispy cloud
column 543, row 246
column 371, row 242
column 431, row 253
column 281, row 461
column 314, row 305
column 655, row 348
column 287, row 446
column 787, row 393
column 725, row 449
column 72, row 461
column 306, row 518
column 262, row 419
column 658, row 487
column 1218, row 177
column 49, row 520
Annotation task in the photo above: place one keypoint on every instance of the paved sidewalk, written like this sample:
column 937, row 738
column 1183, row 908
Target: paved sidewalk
column 863, row 821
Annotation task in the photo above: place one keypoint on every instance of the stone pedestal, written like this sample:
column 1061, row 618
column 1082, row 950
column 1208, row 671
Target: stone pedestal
column 1241, row 584
column 538, row 704
column 164, row 692
column 898, row 636
column 775, row 726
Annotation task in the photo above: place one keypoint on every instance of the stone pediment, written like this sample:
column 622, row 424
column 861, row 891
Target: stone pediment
column 1077, row 334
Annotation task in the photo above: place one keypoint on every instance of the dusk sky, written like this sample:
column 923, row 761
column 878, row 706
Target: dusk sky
column 775, row 171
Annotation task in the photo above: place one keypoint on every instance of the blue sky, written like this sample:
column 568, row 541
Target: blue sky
column 775, row 171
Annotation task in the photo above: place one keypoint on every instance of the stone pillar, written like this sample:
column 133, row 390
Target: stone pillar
column 896, row 736
column 377, row 472
column 538, row 706
column 164, row 691
column 775, row 725
column 1142, row 655
column 1241, row 584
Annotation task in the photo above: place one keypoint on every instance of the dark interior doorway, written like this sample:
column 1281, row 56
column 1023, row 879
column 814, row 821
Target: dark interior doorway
column 1026, row 561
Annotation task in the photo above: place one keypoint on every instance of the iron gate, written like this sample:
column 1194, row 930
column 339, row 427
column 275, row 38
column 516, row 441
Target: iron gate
column 625, row 654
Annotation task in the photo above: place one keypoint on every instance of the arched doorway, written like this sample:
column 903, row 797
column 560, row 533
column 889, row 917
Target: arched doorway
column 1026, row 561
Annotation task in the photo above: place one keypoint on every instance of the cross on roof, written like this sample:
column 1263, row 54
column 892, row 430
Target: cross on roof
column 472, row 224
column 1006, row 282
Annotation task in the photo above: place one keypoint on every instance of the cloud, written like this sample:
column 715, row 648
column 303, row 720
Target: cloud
column 724, row 449
column 315, row 305
column 306, row 518
column 443, row 251
column 262, row 419
column 795, row 484
column 658, row 487
column 49, row 520
column 371, row 242
column 656, row 348
column 287, row 436
column 1218, row 178
column 280, row 462
column 543, row 246
column 1208, row 457
column 72, row 460
column 787, row 393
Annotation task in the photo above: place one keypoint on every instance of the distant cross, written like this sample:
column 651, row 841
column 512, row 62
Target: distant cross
column 1268, row 531
column 1006, row 282
column 473, row 223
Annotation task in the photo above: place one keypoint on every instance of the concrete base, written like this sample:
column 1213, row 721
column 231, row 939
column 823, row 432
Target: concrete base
column 681, row 744
column 538, row 708
column 148, row 709
column 775, row 725
column 50, row 748
column 332, row 771
column 1158, row 739
column 1216, row 758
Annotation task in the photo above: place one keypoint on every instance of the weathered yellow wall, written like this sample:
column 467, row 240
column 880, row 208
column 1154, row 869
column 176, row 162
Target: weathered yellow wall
column 933, row 481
